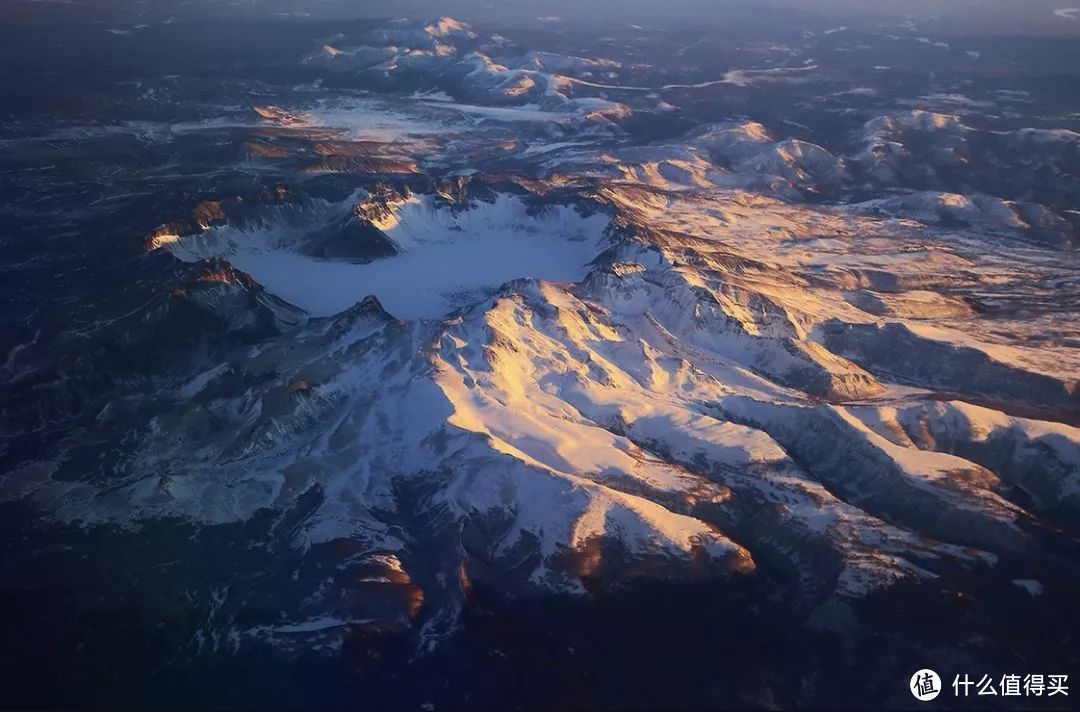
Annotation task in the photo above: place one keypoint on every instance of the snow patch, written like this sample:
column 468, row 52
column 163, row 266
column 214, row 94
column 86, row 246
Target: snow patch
column 1032, row 586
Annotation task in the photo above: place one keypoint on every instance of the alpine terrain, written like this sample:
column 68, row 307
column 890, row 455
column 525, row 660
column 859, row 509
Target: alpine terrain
column 419, row 364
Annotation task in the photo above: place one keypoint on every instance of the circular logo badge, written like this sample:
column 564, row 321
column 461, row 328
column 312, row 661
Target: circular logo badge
column 925, row 685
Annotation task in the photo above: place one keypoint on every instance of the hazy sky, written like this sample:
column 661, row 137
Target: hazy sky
column 950, row 16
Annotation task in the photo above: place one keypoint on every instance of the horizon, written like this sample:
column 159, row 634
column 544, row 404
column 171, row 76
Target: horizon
column 1052, row 18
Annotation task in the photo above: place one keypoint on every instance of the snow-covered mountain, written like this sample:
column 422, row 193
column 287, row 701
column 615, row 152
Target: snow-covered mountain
column 504, row 328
